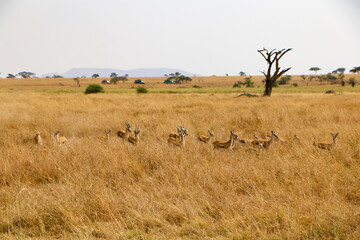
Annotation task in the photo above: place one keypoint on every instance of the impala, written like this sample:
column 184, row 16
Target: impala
column 177, row 135
column 38, row 138
column 60, row 140
column 207, row 139
column 262, row 143
column 124, row 134
column 328, row 146
column 135, row 139
column 107, row 134
column 226, row 144
column 182, row 136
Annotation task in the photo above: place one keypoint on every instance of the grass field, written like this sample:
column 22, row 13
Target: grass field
column 92, row 188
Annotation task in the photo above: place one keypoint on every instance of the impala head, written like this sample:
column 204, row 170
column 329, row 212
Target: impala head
column 334, row 135
column 255, row 136
column 211, row 133
column 37, row 133
column 107, row 131
column 56, row 133
column 137, row 131
column 233, row 134
column 274, row 134
column 184, row 130
column 128, row 127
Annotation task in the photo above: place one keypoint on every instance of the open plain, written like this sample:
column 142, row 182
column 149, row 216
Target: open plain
column 91, row 187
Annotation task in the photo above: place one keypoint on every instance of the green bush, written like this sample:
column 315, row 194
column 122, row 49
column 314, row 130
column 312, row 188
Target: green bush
column 276, row 84
column 248, row 83
column 197, row 86
column 284, row 80
column 141, row 90
column 94, row 88
column 236, row 85
column 295, row 84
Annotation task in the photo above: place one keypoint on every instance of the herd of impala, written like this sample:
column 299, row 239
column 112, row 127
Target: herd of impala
column 178, row 139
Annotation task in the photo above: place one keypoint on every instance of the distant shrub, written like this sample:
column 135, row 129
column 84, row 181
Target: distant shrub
column 248, row 82
column 294, row 84
column 236, row 85
column 352, row 82
column 276, row 84
column 141, row 90
column 197, row 86
column 284, row 80
column 94, row 88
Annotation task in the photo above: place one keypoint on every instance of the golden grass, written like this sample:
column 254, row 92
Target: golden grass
column 89, row 188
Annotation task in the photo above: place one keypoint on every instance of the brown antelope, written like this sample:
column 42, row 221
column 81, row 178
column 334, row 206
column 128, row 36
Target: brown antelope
column 226, row 144
column 179, row 142
column 135, row 139
column 263, row 143
column 327, row 146
column 177, row 135
column 37, row 138
column 107, row 134
column 206, row 139
column 60, row 140
column 124, row 134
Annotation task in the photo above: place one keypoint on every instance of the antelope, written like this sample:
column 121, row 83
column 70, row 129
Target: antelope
column 182, row 135
column 107, row 134
column 206, row 139
column 226, row 144
column 265, row 143
column 37, row 138
column 60, row 140
column 327, row 146
column 135, row 140
column 124, row 134
column 177, row 135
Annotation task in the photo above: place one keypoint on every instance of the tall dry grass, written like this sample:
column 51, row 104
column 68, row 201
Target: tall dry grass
column 91, row 188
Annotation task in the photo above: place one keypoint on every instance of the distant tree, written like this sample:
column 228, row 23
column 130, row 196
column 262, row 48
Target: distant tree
column 11, row 76
column 315, row 69
column 123, row 78
column 26, row 74
column 57, row 76
column 248, row 82
column 113, row 75
column 95, row 75
column 303, row 77
column 352, row 82
column 340, row 70
column 177, row 74
column 355, row 70
column 114, row 80
column 165, row 75
column 226, row 74
column 242, row 73
column 271, row 58
column 83, row 76
column 77, row 80
column 126, row 75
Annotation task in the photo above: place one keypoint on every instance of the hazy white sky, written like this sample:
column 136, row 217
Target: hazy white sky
column 201, row 36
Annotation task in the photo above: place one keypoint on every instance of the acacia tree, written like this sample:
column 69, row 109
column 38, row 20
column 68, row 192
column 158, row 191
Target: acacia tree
column 271, row 58
column 315, row 69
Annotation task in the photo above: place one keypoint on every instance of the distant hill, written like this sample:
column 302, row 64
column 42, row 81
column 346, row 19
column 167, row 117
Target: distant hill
column 105, row 72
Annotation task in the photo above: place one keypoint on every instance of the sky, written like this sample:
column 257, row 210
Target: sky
column 207, row 37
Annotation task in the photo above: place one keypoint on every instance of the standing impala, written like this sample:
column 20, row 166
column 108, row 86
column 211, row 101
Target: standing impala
column 38, row 139
column 328, row 146
column 124, row 134
column 226, row 144
column 135, row 139
column 60, row 140
column 207, row 139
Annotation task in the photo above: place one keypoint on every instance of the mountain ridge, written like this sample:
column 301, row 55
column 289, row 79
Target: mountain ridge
column 105, row 72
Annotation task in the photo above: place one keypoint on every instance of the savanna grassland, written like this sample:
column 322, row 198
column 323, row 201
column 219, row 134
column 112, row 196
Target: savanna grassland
column 93, row 188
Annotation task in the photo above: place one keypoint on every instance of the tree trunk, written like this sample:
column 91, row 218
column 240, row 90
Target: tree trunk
column 268, row 89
